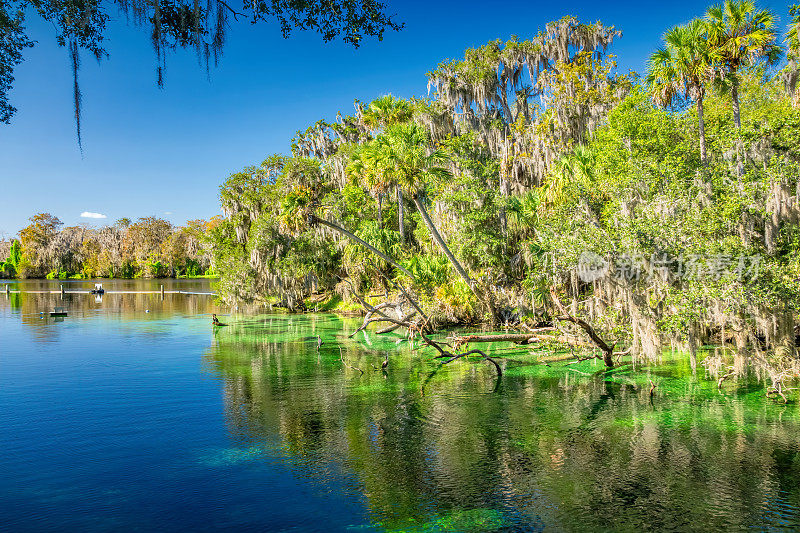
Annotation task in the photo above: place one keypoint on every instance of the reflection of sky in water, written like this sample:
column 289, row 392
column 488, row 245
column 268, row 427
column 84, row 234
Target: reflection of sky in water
column 131, row 420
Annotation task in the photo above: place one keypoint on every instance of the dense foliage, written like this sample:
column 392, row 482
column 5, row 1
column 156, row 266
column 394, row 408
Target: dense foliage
column 150, row 247
column 537, row 173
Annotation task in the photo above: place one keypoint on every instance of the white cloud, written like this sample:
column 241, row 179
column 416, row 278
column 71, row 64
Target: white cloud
column 89, row 214
column 167, row 212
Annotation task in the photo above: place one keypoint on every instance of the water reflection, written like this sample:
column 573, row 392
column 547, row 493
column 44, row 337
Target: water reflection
column 32, row 300
column 549, row 449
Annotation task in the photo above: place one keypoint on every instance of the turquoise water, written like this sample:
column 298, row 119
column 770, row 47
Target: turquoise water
column 134, row 414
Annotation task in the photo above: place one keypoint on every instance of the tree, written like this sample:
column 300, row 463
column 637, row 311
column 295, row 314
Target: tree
column 740, row 35
column 172, row 24
column 298, row 214
column 13, row 41
column 380, row 114
column 682, row 68
column 407, row 161
column 792, row 70
column 35, row 239
column 144, row 243
column 10, row 266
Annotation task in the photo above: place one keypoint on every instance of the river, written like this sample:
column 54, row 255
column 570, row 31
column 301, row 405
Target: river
column 133, row 413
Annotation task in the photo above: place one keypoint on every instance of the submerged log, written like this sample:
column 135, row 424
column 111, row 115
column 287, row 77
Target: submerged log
column 517, row 338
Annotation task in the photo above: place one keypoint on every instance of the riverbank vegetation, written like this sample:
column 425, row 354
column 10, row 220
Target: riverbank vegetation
column 148, row 248
column 539, row 188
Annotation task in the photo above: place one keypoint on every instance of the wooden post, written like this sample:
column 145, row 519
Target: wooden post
column 62, row 290
column 8, row 288
column 162, row 292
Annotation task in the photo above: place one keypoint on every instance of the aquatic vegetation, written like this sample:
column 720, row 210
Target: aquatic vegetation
column 567, row 446
column 225, row 457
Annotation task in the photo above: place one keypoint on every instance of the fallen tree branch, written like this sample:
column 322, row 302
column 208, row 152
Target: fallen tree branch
column 405, row 318
column 731, row 372
column 341, row 356
column 485, row 357
column 608, row 351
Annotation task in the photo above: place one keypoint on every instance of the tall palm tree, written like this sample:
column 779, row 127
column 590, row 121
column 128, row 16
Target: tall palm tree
column 385, row 111
column 740, row 35
column 409, row 162
column 682, row 68
column 382, row 113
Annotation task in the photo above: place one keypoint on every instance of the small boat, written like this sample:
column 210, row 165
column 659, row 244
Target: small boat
column 98, row 289
column 58, row 311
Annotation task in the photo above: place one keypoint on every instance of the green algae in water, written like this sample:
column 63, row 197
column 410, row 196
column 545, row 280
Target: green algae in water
column 225, row 457
column 472, row 520
column 458, row 520
column 571, row 447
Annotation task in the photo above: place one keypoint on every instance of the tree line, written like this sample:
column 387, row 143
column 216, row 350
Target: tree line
column 150, row 247
column 539, row 187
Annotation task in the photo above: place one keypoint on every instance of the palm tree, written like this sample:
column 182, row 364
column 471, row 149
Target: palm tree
column 682, row 68
column 740, row 35
column 385, row 111
column 408, row 162
column 575, row 168
column 382, row 113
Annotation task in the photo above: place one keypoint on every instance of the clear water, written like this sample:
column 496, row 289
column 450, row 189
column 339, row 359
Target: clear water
column 133, row 414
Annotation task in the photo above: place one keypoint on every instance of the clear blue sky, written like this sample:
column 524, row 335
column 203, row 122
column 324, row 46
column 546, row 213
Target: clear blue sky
column 165, row 152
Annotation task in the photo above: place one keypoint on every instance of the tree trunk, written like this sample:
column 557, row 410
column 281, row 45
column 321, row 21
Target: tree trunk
column 380, row 210
column 735, row 97
column 401, row 222
column 363, row 243
column 440, row 241
column 702, row 125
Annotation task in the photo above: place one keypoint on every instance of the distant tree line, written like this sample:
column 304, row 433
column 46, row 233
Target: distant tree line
column 150, row 247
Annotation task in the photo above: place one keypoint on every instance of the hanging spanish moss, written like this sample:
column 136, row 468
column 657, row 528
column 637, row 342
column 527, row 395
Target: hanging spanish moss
column 76, row 91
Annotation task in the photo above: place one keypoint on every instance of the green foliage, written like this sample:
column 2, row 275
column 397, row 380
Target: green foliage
column 504, row 199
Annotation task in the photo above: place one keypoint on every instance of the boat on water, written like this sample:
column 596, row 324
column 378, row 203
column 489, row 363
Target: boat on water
column 58, row 311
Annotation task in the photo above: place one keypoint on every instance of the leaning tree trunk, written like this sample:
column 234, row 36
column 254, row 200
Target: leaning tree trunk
column 363, row 243
column 440, row 241
column 401, row 222
column 702, row 126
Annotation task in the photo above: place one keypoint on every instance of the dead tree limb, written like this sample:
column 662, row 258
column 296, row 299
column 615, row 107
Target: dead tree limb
column 608, row 351
column 341, row 356
column 731, row 372
column 405, row 318
column 517, row 338
column 485, row 357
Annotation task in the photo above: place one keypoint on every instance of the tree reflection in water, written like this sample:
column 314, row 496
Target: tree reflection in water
column 549, row 448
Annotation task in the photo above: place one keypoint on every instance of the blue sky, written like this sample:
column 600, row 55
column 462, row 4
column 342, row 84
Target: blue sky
column 153, row 152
